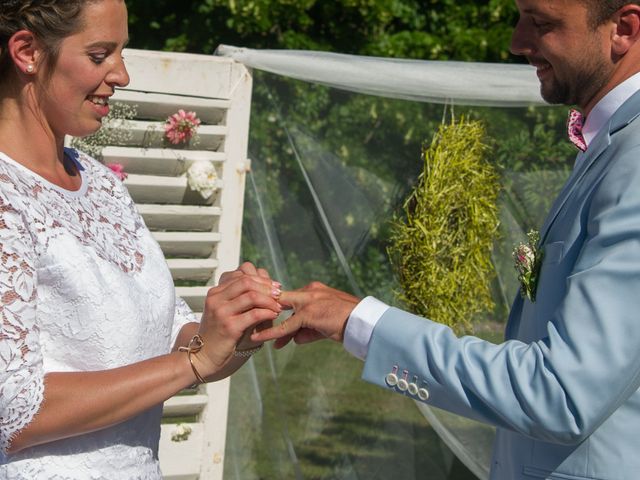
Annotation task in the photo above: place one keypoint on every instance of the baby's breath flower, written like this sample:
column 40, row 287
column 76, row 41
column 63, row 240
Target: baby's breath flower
column 115, row 130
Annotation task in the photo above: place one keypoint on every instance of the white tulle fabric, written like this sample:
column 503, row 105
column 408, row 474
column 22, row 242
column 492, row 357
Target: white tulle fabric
column 83, row 287
column 459, row 83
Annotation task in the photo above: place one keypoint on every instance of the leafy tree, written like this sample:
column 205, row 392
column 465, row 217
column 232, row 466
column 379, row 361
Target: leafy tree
column 435, row 29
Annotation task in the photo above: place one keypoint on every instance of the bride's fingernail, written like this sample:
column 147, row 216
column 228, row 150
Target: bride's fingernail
column 276, row 292
column 276, row 285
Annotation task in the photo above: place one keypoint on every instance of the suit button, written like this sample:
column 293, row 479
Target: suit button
column 423, row 394
column 413, row 388
column 391, row 379
column 403, row 385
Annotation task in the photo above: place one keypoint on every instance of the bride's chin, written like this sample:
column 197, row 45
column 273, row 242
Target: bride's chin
column 86, row 129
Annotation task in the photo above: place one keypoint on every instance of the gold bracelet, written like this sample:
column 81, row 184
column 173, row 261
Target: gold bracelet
column 247, row 352
column 195, row 345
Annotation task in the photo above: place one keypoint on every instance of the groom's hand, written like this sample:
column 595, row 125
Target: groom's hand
column 319, row 312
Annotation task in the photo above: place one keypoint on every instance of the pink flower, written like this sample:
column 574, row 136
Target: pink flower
column 525, row 258
column 118, row 169
column 181, row 126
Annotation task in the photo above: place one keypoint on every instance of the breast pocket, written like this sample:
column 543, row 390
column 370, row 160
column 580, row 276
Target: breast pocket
column 551, row 281
column 552, row 252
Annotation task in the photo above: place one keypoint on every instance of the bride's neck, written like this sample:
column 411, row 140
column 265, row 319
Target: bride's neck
column 27, row 138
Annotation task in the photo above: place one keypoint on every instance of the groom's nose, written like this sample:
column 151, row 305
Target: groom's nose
column 523, row 39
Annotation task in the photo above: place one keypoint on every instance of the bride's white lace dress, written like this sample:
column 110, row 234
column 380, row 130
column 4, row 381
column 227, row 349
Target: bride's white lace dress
column 83, row 286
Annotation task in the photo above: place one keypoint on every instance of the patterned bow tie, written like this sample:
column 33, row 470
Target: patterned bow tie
column 575, row 122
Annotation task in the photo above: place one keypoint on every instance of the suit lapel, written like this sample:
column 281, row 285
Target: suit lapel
column 623, row 117
column 584, row 162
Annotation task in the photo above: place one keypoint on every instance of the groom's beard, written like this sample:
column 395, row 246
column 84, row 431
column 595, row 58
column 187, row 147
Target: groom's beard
column 577, row 83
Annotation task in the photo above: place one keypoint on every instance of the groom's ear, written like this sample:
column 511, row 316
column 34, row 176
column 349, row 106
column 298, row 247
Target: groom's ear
column 626, row 31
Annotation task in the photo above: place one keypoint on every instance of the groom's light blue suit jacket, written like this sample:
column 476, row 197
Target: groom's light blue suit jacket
column 563, row 389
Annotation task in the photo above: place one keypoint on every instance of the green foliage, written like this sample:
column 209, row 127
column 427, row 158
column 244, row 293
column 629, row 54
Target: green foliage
column 435, row 29
column 537, row 141
column 442, row 247
column 375, row 134
column 531, row 194
column 534, row 156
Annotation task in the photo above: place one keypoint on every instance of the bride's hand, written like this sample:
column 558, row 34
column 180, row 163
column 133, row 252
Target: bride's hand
column 248, row 268
column 237, row 305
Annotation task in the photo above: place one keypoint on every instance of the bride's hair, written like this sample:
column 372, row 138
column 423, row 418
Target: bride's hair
column 49, row 20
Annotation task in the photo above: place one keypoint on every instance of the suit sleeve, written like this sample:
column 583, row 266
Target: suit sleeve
column 563, row 386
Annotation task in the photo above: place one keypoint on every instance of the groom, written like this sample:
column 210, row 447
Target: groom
column 563, row 389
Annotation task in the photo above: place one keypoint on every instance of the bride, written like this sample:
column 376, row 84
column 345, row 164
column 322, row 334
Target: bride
column 92, row 337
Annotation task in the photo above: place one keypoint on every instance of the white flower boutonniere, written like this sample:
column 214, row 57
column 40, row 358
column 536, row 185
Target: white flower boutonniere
column 528, row 258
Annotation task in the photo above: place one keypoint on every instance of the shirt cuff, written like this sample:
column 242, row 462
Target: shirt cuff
column 360, row 325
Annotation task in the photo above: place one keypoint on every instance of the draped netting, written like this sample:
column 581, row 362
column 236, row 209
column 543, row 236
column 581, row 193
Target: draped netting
column 336, row 146
column 464, row 83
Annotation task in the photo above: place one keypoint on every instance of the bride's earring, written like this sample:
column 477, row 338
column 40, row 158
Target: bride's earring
column 30, row 68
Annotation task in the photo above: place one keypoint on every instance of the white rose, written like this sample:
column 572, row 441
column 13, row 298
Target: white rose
column 203, row 178
column 180, row 433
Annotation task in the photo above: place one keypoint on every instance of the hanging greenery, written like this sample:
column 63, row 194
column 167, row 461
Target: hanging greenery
column 441, row 246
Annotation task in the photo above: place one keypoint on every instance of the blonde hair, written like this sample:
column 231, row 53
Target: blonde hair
column 49, row 20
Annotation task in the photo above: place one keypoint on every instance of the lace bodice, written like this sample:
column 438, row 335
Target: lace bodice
column 83, row 286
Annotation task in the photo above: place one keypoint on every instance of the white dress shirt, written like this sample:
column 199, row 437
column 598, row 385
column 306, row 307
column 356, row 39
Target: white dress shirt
column 605, row 108
column 368, row 312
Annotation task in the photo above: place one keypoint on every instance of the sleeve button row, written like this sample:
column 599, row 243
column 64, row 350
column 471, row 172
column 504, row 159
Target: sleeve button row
column 404, row 386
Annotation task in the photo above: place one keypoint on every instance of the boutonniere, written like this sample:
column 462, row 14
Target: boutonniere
column 528, row 258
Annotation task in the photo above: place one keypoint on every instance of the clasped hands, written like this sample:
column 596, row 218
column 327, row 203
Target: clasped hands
column 239, row 314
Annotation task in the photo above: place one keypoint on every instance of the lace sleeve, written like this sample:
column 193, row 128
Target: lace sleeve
column 21, row 371
column 182, row 316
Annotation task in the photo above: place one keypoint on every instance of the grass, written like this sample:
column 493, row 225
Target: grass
column 306, row 414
